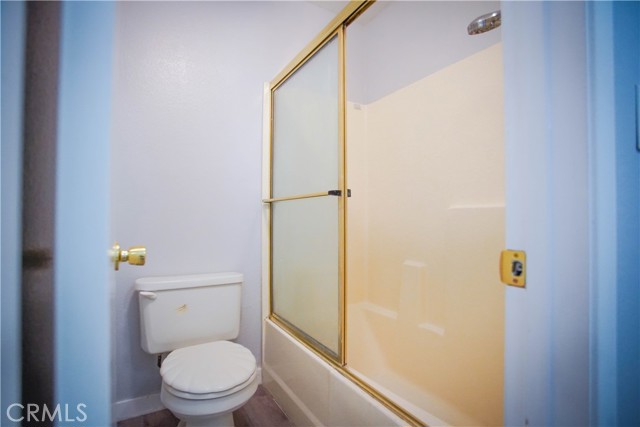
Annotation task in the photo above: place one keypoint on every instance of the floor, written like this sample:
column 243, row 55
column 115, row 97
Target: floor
column 260, row 411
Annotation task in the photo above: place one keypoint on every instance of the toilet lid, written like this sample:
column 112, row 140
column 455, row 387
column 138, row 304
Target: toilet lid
column 208, row 368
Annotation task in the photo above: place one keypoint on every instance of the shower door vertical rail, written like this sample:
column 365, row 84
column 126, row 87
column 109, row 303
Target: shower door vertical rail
column 307, row 299
column 342, row 182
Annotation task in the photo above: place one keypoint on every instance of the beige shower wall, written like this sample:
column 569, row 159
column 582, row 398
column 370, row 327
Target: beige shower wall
column 425, row 228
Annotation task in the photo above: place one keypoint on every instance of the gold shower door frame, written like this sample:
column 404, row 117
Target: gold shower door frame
column 336, row 28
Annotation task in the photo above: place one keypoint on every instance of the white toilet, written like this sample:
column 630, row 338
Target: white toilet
column 205, row 377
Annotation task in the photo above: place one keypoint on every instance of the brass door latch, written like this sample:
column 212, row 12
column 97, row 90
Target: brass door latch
column 513, row 268
column 135, row 255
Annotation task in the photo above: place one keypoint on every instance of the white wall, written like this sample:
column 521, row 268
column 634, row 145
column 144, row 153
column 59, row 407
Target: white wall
column 547, row 324
column 384, row 56
column 186, row 149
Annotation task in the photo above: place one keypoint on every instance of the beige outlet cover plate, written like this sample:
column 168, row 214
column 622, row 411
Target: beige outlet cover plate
column 513, row 268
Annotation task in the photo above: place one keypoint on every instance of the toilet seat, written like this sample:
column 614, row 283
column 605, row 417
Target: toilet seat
column 203, row 396
column 208, row 371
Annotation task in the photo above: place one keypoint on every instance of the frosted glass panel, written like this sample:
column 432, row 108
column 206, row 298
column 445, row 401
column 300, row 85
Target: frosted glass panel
column 305, row 267
column 305, row 127
column 425, row 224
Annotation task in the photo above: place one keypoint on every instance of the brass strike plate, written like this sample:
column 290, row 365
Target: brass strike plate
column 513, row 268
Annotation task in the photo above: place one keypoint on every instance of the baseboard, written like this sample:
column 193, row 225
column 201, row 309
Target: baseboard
column 131, row 408
column 259, row 374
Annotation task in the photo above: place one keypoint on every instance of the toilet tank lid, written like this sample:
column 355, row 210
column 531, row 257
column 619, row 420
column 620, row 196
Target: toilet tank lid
column 164, row 283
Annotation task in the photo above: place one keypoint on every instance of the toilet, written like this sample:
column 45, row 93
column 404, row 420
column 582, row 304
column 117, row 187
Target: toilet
column 205, row 377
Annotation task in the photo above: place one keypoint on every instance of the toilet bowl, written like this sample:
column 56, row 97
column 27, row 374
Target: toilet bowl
column 217, row 412
column 206, row 377
column 203, row 384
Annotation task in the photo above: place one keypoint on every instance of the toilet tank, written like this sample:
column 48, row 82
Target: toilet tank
column 179, row 311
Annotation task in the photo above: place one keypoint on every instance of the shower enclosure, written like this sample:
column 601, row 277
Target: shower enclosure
column 385, row 207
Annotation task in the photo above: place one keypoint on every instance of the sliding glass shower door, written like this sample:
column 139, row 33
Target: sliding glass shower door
column 306, row 200
column 406, row 268
column 425, row 225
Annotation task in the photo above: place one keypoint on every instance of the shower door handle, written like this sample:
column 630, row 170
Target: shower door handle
column 307, row 196
column 338, row 192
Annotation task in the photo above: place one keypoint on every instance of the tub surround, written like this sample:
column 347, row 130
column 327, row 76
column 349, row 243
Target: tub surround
column 311, row 392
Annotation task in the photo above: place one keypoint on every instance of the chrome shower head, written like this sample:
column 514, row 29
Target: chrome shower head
column 484, row 23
